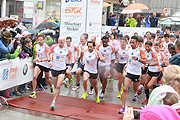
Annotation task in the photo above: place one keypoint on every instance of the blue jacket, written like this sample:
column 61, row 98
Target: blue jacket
column 3, row 49
column 113, row 21
column 147, row 21
column 153, row 21
column 175, row 60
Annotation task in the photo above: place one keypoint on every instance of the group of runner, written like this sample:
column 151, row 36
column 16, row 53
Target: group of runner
column 136, row 59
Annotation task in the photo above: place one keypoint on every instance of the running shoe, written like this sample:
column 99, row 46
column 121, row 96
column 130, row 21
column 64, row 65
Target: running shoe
column 91, row 92
column 32, row 95
column 52, row 90
column 75, row 88
column 121, row 90
column 101, row 97
column 65, row 82
column 119, row 95
column 72, row 81
column 139, row 92
column 17, row 93
column 52, row 105
column 38, row 89
column 135, row 97
column 84, row 95
column 121, row 111
column 145, row 102
column 111, row 79
column 97, row 100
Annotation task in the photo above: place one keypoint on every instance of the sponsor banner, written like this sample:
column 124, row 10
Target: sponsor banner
column 73, row 17
column 15, row 72
column 94, row 19
column 28, row 9
column 130, row 30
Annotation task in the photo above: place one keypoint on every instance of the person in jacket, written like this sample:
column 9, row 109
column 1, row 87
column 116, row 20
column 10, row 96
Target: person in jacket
column 28, row 48
column 6, row 43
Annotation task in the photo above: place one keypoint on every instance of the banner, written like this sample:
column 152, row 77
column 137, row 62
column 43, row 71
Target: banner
column 15, row 72
column 73, row 19
column 28, row 9
column 130, row 30
column 94, row 19
column 35, row 22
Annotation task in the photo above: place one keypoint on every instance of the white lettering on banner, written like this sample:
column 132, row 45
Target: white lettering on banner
column 15, row 72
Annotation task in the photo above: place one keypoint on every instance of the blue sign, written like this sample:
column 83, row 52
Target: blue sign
column 5, row 74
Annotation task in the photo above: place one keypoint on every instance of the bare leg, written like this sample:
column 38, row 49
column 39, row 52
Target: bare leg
column 94, row 83
column 58, row 86
column 36, row 73
column 47, row 79
column 78, row 75
column 106, row 74
column 126, row 84
column 85, row 79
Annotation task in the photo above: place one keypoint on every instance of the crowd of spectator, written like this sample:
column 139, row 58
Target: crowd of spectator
column 132, row 20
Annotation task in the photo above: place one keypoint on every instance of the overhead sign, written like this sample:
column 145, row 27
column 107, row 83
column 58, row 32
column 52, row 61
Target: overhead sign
column 94, row 19
column 73, row 19
column 28, row 9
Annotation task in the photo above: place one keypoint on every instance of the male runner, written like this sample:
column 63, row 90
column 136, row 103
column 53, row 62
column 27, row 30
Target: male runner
column 154, row 69
column 133, row 71
column 73, row 49
column 41, row 60
column 91, row 58
column 104, row 68
column 82, row 47
column 122, row 56
column 60, row 54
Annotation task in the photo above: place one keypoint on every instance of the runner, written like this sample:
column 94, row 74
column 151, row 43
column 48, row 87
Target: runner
column 133, row 72
column 91, row 58
column 104, row 68
column 122, row 56
column 154, row 70
column 73, row 49
column 60, row 54
column 82, row 47
column 41, row 59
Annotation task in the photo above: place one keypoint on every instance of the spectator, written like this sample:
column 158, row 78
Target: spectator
column 153, row 21
column 15, row 54
column 175, row 60
column 121, row 21
column 6, row 44
column 173, row 38
column 49, row 40
column 113, row 20
column 133, row 22
column 17, row 42
column 28, row 47
column 108, row 21
column 139, row 19
column 127, row 20
column 147, row 21
column 159, row 112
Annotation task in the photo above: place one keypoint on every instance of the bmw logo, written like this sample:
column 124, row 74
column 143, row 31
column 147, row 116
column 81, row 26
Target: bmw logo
column 60, row 52
column 132, row 53
column 39, row 50
column 25, row 69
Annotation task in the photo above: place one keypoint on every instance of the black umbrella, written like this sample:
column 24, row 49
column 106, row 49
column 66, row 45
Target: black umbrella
column 46, row 25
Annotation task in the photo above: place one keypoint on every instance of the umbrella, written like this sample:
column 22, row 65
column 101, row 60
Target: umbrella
column 32, row 31
column 58, row 24
column 58, row 15
column 46, row 25
column 49, row 20
column 48, row 31
column 26, row 22
column 105, row 4
column 134, row 8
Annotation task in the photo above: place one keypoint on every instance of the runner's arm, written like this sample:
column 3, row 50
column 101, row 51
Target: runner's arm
column 155, row 63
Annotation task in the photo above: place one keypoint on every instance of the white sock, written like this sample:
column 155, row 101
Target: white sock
column 34, row 92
